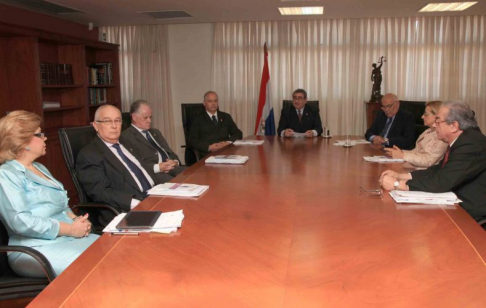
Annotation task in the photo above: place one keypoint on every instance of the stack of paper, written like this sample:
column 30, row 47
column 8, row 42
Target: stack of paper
column 448, row 198
column 298, row 135
column 178, row 190
column 167, row 223
column 227, row 159
column 382, row 159
column 352, row 142
column 248, row 142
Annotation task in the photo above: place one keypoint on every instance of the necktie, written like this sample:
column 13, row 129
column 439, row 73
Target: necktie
column 446, row 156
column 215, row 121
column 134, row 168
column 299, row 114
column 384, row 132
column 161, row 151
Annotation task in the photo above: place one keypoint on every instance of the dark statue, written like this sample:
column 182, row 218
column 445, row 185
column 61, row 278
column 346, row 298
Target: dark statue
column 376, row 78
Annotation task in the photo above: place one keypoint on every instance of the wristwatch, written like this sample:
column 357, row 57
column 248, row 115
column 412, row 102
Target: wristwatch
column 386, row 140
column 396, row 184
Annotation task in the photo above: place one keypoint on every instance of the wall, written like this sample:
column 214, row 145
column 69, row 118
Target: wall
column 190, row 70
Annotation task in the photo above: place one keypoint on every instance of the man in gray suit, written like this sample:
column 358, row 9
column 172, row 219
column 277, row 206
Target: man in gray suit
column 156, row 155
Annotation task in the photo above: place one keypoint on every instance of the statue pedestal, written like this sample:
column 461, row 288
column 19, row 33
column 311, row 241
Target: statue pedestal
column 372, row 109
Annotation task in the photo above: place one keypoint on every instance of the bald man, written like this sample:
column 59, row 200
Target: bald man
column 110, row 172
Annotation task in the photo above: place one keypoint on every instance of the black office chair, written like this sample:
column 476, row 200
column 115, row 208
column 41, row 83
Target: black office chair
column 417, row 109
column 72, row 141
column 313, row 104
column 126, row 120
column 13, row 286
column 189, row 111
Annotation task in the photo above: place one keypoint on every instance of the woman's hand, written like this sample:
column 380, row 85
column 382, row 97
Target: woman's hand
column 395, row 153
column 80, row 227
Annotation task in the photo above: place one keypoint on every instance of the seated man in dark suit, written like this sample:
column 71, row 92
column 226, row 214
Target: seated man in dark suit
column 154, row 150
column 213, row 129
column 392, row 126
column 110, row 172
column 463, row 168
column 299, row 118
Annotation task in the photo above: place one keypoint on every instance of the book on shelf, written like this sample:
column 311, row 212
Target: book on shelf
column 97, row 96
column 56, row 74
column 100, row 73
column 46, row 105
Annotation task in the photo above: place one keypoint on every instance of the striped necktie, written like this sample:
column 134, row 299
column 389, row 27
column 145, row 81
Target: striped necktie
column 384, row 132
column 134, row 168
column 161, row 151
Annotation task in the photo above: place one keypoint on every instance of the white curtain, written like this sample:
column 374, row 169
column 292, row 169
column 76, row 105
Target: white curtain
column 428, row 58
column 144, row 71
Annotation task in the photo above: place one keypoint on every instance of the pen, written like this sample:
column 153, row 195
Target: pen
column 124, row 233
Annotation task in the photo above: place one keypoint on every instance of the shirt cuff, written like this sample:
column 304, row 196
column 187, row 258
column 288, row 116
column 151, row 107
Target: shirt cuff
column 372, row 137
column 156, row 168
column 134, row 203
column 282, row 134
column 314, row 132
column 53, row 232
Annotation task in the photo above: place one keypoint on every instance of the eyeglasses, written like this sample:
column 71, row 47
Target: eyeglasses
column 110, row 122
column 427, row 114
column 297, row 98
column 388, row 106
column 40, row 135
column 438, row 121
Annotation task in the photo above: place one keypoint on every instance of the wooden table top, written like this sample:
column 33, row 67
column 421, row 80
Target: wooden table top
column 287, row 229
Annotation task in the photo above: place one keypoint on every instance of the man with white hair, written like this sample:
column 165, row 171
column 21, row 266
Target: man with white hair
column 463, row 168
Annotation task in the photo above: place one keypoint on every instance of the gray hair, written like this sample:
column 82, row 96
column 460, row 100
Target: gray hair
column 136, row 105
column 461, row 112
column 209, row 92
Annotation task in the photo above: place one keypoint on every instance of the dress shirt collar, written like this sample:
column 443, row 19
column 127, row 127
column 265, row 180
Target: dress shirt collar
column 211, row 115
column 139, row 129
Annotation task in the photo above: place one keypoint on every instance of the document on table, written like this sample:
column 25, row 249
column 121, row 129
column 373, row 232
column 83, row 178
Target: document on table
column 420, row 197
column 352, row 142
column 298, row 135
column 248, row 142
column 178, row 190
column 382, row 159
column 227, row 159
column 166, row 223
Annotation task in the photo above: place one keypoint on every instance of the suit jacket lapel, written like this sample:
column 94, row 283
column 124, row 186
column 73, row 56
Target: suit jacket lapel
column 115, row 162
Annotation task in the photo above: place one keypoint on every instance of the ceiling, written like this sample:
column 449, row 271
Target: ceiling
column 125, row 12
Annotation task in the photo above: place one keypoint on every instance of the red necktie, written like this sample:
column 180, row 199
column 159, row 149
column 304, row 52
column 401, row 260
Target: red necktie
column 446, row 156
column 300, row 115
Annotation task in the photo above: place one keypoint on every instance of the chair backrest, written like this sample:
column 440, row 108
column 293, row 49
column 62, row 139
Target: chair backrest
column 189, row 111
column 313, row 104
column 417, row 109
column 126, row 120
column 73, row 139
column 4, row 267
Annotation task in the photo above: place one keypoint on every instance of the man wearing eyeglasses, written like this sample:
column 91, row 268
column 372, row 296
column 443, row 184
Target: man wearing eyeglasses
column 154, row 150
column 392, row 126
column 299, row 118
column 463, row 168
column 110, row 172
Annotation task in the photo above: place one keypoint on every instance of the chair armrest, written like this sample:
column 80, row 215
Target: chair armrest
column 97, row 205
column 39, row 257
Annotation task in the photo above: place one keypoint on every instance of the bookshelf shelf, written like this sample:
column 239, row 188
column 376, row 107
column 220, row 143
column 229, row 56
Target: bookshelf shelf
column 61, row 86
column 102, row 86
column 62, row 108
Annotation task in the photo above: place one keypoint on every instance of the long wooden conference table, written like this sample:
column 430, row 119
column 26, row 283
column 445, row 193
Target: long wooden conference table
column 287, row 229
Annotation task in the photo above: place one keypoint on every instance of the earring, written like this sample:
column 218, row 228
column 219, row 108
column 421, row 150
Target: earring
column 27, row 148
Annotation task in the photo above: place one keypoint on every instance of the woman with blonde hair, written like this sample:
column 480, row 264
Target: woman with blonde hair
column 428, row 148
column 33, row 205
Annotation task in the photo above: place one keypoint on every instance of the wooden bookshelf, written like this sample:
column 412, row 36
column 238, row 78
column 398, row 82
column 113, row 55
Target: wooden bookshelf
column 22, row 50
